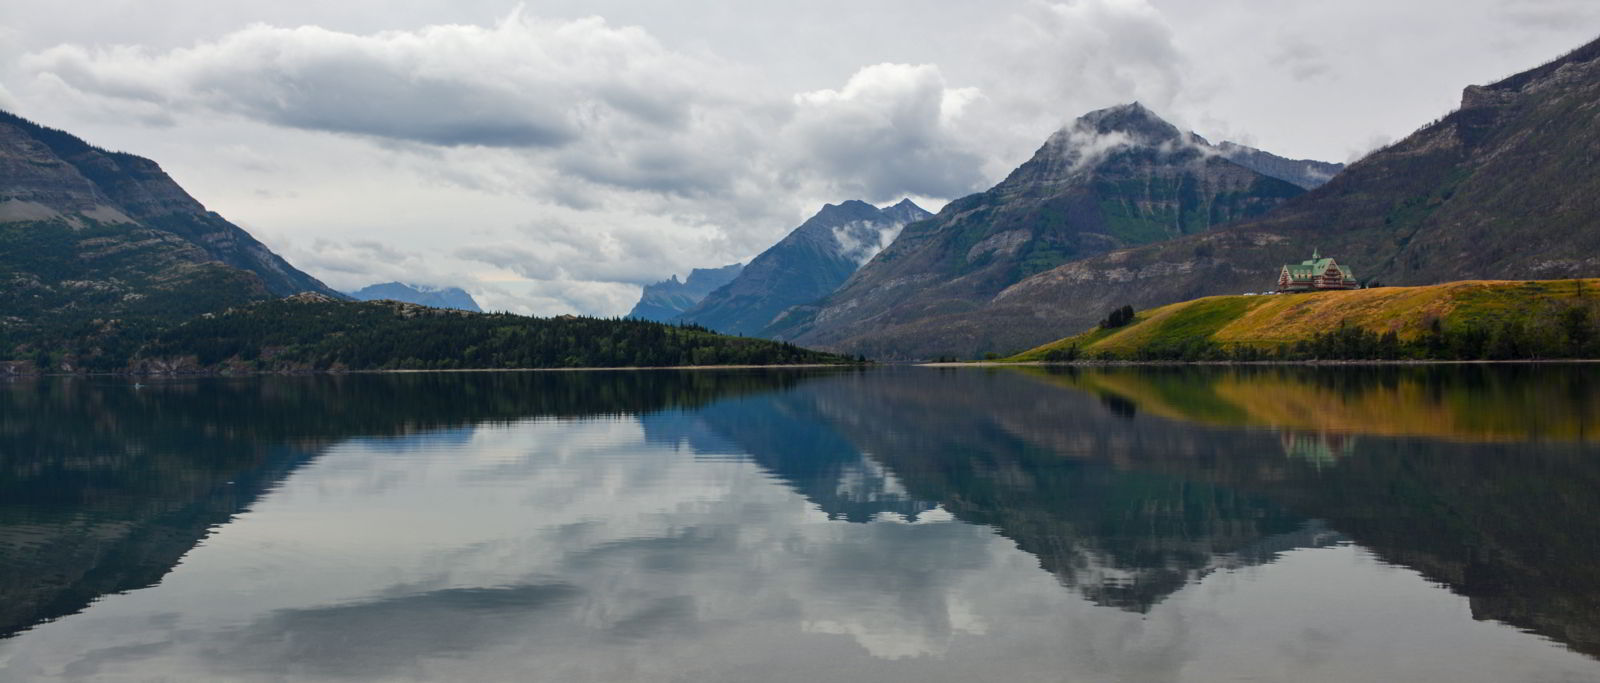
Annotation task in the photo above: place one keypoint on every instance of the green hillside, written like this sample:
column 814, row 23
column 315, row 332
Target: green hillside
column 1470, row 320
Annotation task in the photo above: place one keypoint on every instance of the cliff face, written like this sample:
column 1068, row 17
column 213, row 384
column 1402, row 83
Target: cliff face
column 808, row 264
column 1115, row 178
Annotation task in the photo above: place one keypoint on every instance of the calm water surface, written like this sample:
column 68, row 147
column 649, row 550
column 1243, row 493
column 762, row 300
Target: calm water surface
column 1402, row 524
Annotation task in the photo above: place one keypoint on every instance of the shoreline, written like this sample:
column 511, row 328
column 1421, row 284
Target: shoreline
column 1229, row 363
column 293, row 373
column 814, row 366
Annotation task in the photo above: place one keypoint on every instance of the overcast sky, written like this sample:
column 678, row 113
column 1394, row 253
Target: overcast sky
column 551, row 156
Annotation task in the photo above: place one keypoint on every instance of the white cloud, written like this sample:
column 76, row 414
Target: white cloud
column 630, row 160
column 520, row 83
column 892, row 130
column 615, row 151
column 1061, row 60
column 859, row 241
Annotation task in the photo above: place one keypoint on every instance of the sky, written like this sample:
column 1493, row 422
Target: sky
column 553, row 156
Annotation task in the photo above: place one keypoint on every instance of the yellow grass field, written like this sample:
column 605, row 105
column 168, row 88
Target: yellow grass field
column 1268, row 321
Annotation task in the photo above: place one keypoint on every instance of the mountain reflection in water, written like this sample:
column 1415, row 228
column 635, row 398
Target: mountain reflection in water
column 382, row 526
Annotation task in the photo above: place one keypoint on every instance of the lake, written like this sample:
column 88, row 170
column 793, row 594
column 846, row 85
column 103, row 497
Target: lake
column 1125, row 524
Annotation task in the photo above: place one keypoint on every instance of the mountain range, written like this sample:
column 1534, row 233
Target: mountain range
column 107, row 265
column 1114, row 178
column 808, row 264
column 1119, row 208
column 437, row 297
column 664, row 301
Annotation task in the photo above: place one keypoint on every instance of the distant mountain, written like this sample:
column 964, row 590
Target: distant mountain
column 804, row 266
column 1306, row 173
column 664, row 301
column 1505, row 187
column 104, row 245
column 437, row 297
column 1114, row 178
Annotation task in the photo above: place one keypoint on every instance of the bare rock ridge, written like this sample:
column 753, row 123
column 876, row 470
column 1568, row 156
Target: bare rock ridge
column 808, row 264
column 1307, row 173
column 664, row 301
column 47, row 174
column 1115, row 178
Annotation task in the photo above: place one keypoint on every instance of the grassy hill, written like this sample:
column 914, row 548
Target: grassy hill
column 1477, row 319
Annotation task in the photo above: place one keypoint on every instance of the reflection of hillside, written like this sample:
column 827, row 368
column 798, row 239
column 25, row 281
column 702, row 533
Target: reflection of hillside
column 1461, row 403
column 784, row 434
column 1124, row 538
column 104, row 486
column 1515, row 527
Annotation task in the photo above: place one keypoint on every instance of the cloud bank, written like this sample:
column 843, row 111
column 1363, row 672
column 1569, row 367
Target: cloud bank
column 550, row 164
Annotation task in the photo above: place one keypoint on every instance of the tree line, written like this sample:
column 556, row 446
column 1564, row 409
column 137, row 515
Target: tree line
column 291, row 335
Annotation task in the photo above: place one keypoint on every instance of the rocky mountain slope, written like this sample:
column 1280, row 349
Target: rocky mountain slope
column 47, row 174
column 1505, row 187
column 1307, row 173
column 437, row 297
column 808, row 264
column 95, row 243
column 1114, row 178
column 664, row 301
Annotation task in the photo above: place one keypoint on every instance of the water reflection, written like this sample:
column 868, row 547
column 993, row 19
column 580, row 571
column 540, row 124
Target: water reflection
column 105, row 485
column 1467, row 402
column 1132, row 525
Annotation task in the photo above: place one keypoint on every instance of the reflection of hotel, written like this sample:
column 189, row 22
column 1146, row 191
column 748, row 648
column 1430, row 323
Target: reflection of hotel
column 1322, row 449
